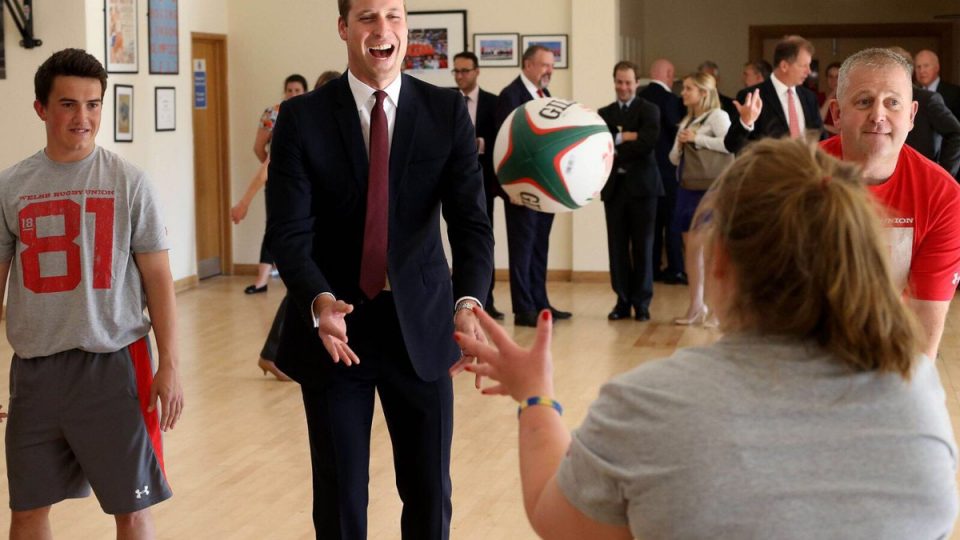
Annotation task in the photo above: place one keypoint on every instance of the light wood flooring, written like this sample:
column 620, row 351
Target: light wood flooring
column 238, row 462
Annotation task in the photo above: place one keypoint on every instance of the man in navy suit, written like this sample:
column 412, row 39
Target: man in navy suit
column 360, row 172
column 482, row 106
column 665, row 237
column 927, row 70
column 528, row 231
column 789, row 109
column 630, row 195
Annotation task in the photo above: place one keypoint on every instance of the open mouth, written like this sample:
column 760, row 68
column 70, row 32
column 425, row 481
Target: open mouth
column 381, row 51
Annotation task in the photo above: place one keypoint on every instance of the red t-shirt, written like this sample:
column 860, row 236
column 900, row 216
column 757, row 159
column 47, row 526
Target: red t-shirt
column 924, row 223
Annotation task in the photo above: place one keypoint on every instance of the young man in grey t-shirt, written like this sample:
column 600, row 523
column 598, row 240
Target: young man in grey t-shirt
column 84, row 245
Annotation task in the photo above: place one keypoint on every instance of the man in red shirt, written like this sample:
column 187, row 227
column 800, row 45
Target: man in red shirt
column 875, row 111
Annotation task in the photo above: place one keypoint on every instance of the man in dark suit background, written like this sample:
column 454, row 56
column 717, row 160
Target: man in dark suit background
column 482, row 106
column 360, row 172
column 783, row 90
column 671, row 110
column 630, row 195
column 927, row 71
column 528, row 231
column 936, row 131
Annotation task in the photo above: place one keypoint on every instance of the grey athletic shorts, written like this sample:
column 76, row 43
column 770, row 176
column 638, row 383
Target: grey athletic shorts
column 78, row 420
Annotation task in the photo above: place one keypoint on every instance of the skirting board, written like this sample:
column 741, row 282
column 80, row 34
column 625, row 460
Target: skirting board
column 186, row 283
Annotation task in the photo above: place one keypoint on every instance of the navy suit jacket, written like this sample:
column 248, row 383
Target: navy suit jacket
column 317, row 205
column 936, row 131
column 642, row 178
column 512, row 96
column 773, row 119
column 671, row 113
column 951, row 96
column 487, row 128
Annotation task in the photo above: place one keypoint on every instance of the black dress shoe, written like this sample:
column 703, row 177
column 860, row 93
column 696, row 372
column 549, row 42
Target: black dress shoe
column 492, row 311
column 619, row 313
column 642, row 315
column 525, row 318
column 675, row 279
column 253, row 289
column 560, row 315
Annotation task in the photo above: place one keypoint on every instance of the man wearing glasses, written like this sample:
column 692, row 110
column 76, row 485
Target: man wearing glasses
column 482, row 106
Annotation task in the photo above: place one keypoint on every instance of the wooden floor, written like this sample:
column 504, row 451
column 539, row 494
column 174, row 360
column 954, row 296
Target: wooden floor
column 238, row 462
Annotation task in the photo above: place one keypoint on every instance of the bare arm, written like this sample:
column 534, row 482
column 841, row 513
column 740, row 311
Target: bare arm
column 932, row 316
column 162, row 305
column 544, row 439
column 239, row 211
column 261, row 142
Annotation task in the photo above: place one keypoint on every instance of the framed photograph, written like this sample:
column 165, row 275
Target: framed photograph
column 120, row 25
column 435, row 37
column 165, row 108
column 555, row 42
column 497, row 50
column 163, row 37
column 122, row 113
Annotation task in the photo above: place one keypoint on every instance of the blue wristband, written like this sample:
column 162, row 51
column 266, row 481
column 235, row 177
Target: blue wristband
column 537, row 400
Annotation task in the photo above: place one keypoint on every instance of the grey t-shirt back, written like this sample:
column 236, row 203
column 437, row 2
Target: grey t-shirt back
column 765, row 438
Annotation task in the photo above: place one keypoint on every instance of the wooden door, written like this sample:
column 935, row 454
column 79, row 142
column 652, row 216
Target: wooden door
column 210, row 154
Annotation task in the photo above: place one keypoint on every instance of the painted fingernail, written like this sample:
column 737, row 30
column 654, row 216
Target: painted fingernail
column 545, row 314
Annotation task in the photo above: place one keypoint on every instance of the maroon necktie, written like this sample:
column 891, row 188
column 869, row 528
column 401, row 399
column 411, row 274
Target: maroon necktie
column 373, row 268
column 540, row 92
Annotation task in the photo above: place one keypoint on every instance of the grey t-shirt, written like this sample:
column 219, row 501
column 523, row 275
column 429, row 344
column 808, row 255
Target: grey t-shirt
column 70, row 231
column 766, row 438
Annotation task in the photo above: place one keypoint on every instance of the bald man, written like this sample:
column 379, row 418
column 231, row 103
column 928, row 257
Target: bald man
column 671, row 108
column 927, row 68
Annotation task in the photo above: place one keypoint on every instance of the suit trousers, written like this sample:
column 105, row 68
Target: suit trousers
column 630, row 229
column 665, row 237
column 488, row 301
column 528, row 241
column 419, row 416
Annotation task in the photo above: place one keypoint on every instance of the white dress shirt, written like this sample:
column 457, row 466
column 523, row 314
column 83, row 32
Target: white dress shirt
column 782, row 94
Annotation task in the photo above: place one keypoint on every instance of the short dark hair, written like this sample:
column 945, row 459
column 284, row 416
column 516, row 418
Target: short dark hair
column 344, row 7
column 763, row 68
column 67, row 63
column 469, row 56
column 708, row 64
column 624, row 65
column 531, row 52
column 296, row 78
column 789, row 47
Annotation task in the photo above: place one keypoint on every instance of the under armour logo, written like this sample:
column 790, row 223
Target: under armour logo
column 956, row 278
column 146, row 491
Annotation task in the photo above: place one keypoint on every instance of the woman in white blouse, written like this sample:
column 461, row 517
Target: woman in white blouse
column 705, row 126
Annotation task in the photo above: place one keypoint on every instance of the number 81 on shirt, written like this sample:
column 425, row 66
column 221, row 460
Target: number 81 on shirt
column 70, row 212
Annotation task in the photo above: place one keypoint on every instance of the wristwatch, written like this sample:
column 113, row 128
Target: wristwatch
column 466, row 303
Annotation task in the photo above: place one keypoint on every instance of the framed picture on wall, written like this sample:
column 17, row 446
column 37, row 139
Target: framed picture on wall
column 497, row 50
column 123, row 113
column 163, row 37
column 165, row 108
column 120, row 25
column 555, row 42
column 435, row 37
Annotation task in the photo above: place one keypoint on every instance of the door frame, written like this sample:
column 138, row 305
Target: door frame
column 223, row 152
column 940, row 31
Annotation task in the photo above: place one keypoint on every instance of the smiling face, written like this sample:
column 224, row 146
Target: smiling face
column 625, row 83
column 72, row 116
column 539, row 68
column 465, row 74
column 375, row 32
column 875, row 113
